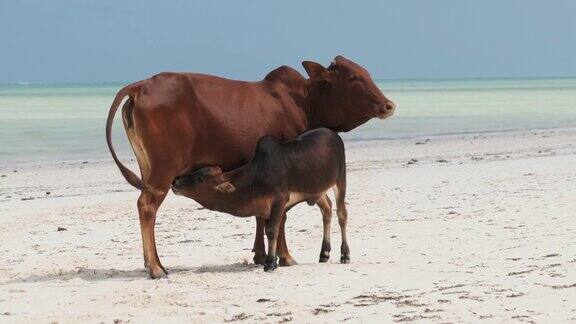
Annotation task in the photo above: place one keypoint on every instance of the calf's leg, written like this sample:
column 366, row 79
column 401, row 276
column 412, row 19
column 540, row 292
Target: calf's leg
column 340, row 193
column 259, row 249
column 272, row 229
column 326, row 208
column 286, row 260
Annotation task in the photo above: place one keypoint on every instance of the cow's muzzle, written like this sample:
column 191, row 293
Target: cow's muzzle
column 386, row 110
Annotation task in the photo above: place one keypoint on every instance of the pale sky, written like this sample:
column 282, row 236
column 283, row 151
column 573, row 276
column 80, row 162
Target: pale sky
column 114, row 40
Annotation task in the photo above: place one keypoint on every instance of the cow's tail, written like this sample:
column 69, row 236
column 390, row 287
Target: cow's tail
column 132, row 178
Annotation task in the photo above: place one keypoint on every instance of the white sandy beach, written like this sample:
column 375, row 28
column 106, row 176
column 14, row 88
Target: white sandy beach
column 450, row 229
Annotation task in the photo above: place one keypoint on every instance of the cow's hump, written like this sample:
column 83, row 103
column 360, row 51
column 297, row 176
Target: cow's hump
column 284, row 74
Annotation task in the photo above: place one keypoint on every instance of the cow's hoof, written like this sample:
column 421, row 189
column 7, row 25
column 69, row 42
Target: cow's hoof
column 158, row 272
column 259, row 259
column 345, row 259
column 287, row 262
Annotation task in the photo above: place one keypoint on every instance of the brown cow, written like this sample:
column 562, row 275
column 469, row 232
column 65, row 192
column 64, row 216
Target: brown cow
column 180, row 122
column 280, row 176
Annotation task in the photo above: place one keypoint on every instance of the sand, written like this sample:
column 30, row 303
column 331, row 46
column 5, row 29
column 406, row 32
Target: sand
column 445, row 229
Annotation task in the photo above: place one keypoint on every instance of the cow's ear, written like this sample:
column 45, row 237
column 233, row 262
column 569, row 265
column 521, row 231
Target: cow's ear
column 315, row 70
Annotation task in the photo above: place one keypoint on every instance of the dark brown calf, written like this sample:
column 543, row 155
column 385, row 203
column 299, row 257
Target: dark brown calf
column 278, row 177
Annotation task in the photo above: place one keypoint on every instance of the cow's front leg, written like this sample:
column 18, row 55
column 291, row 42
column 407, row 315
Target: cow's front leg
column 272, row 229
column 259, row 249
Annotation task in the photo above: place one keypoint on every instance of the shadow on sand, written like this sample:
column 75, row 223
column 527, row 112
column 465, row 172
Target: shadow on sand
column 90, row 274
column 227, row 268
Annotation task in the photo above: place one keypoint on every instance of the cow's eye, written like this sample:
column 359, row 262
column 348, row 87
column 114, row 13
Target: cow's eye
column 352, row 77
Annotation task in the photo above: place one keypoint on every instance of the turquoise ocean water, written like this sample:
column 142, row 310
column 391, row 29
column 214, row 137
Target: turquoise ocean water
column 66, row 122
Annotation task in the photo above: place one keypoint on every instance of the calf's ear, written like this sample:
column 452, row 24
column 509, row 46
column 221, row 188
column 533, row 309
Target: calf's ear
column 315, row 70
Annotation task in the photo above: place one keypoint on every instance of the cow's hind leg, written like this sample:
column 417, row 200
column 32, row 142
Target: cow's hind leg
column 340, row 193
column 259, row 249
column 146, row 262
column 286, row 259
column 148, row 205
column 326, row 208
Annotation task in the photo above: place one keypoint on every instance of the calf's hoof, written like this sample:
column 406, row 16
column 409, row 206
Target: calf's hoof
column 158, row 272
column 345, row 259
column 270, row 265
column 287, row 262
column 324, row 256
column 259, row 259
column 225, row 187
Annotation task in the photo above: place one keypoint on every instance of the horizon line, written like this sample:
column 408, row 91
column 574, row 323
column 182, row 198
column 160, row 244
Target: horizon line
column 25, row 83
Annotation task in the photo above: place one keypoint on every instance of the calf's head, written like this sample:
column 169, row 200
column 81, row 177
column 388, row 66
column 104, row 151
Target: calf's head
column 203, row 178
column 344, row 96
